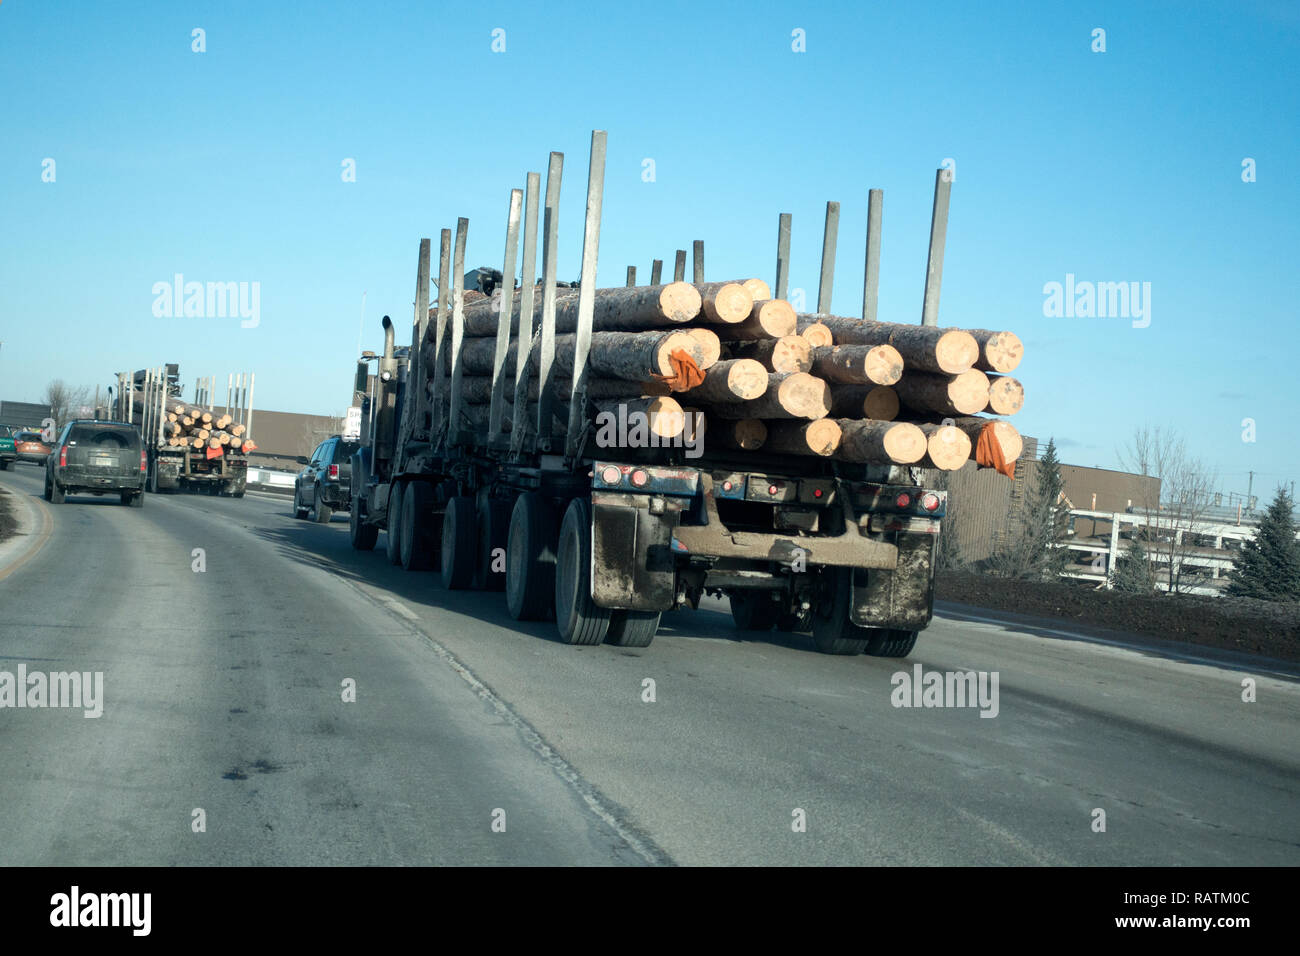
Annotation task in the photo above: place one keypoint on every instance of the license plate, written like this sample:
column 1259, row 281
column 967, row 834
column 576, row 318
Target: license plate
column 104, row 461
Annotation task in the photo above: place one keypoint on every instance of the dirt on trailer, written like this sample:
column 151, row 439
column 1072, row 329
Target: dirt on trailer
column 1236, row 624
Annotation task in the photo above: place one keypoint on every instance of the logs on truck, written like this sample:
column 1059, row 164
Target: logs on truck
column 745, row 373
column 191, row 426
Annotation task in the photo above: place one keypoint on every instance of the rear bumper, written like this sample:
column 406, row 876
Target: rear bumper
column 34, row 459
column 85, row 480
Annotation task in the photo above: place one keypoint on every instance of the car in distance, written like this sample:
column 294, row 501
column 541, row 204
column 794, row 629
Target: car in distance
column 31, row 446
column 325, row 484
column 8, row 452
column 97, row 457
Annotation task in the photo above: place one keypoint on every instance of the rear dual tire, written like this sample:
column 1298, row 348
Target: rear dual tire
column 363, row 535
column 579, row 619
column 459, row 544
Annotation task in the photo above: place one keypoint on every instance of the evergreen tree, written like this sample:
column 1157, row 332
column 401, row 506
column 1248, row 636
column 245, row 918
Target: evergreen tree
column 1032, row 552
column 1268, row 565
column 1133, row 573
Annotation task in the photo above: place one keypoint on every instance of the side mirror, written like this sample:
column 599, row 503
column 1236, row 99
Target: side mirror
column 363, row 377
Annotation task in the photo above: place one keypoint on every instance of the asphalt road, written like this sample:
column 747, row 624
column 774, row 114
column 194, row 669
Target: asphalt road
column 222, row 691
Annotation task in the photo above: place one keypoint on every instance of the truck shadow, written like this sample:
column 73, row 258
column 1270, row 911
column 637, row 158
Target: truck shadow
column 328, row 547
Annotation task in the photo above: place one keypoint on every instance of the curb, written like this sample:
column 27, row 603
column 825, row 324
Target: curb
column 35, row 525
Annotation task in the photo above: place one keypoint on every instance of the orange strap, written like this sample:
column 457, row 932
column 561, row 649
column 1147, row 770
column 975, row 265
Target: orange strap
column 214, row 453
column 686, row 374
column 988, row 453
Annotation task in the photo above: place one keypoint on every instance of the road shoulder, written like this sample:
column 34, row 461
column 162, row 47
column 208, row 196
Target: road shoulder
column 25, row 526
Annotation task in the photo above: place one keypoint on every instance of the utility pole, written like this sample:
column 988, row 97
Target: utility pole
column 1250, row 487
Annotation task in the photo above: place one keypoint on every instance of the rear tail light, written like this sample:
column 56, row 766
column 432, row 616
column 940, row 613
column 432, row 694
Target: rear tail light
column 610, row 475
column 903, row 499
column 930, row 501
column 334, row 471
column 63, row 457
column 639, row 478
column 144, row 461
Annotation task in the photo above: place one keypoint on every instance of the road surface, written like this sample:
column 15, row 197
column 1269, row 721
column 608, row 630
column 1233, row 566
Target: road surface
column 477, row 740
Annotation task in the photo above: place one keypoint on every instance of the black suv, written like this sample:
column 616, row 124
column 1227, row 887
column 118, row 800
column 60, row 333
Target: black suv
column 97, row 457
column 325, row 485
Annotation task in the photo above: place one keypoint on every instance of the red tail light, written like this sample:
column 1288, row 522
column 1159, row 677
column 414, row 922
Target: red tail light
column 334, row 471
column 63, row 457
column 144, row 461
column 903, row 499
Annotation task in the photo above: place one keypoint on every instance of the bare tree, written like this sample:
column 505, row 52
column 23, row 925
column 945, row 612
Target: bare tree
column 65, row 401
column 1176, row 509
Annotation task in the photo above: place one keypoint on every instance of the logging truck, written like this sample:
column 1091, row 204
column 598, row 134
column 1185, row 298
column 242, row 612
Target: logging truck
column 189, row 446
column 529, row 442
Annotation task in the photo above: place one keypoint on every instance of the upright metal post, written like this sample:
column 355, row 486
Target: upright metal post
column 656, row 272
column 416, row 371
column 586, row 294
column 524, row 340
column 457, row 327
column 871, row 276
column 546, row 384
column 440, row 328
column 782, row 256
column 697, row 265
column 828, row 258
column 631, row 276
column 496, row 410
column 251, row 381
column 679, row 266
column 938, row 236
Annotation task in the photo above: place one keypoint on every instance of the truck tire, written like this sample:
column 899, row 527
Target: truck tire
column 459, row 543
column 363, row 535
column 321, row 511
column 133, row 500
column 832, row 631
column 530, row 559
column 493, row 537
column 750, row 610
column 415, row 540
column 890, row 643
column 577, row 617
column 393, row 526
column 632, row 628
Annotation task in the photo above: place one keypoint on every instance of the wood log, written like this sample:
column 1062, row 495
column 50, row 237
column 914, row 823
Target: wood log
column 947, row 447
column 626, row 308
column 661, row 415
column 817, row 333
column 1004, row 433
column 725, row 302
column 477, row 389
column 999, row 351
column 710, row 345
column 757, row 289
column 820, row 437
column 236, row 442
column 745, row 434
column 858, row 364
column 789, row 395
column 878, row 402
column 923, row 347
column 735, row 380
column 768, row 319
column 236, row 429
column 1006, row 395
column 963, row 394
column 632, row 356
column 789, row 353
column 695, row 421
column 899, row 443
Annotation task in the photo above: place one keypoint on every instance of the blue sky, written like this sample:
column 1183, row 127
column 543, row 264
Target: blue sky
column 225, row 166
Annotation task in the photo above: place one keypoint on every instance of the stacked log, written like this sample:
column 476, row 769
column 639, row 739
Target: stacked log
column 196, row 428
column 761, row 376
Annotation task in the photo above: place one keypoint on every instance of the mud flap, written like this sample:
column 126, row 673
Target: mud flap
column 903, row 598
column 631, row 557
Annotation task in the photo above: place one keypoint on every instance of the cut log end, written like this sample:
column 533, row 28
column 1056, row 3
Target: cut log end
column 728, row 303
column 818, row 334
column 757, row 289
column 775, row 317
column 956, row 351
column 710, row 344
column 947, row 447
column 680, row 301
column 1006, row 396
column 820, row 437
column 999, row 351
column 746, row 434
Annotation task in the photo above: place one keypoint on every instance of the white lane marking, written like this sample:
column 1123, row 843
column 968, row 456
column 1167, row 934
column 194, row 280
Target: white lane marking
column 536, row 742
